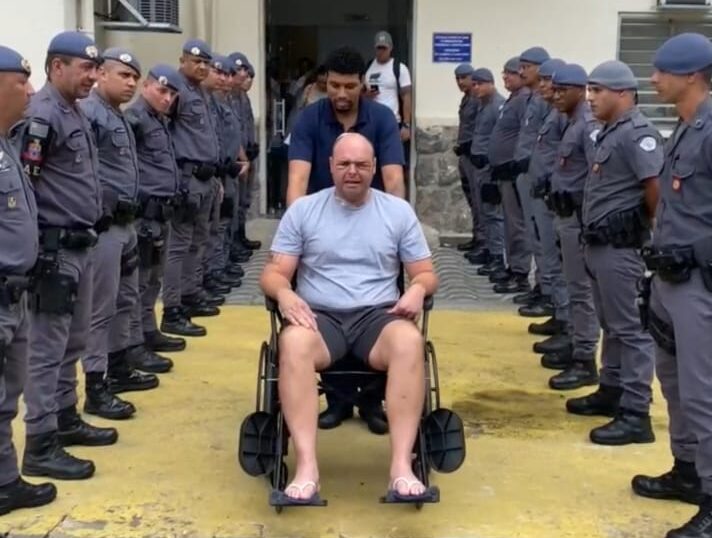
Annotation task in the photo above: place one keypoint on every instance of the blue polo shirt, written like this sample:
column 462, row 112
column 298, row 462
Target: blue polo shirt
column 317, row 129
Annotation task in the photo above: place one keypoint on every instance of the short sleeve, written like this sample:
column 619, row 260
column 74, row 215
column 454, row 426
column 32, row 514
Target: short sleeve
column 389, row 149
column 412, row 246
column 288, row 239
column 646, row 154
column 301, row 139
column 404, row 79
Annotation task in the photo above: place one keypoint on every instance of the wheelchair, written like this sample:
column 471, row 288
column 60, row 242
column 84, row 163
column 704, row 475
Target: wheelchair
column 264, row 437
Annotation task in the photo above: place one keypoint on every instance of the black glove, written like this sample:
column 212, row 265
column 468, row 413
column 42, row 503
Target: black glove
column 490, row 194
column 457, row 150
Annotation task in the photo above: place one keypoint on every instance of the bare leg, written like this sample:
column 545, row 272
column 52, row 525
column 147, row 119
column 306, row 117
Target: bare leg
column 399, row 350
column 302, row 352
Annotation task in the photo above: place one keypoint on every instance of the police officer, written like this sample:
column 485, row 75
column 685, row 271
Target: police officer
column 242, row 246
column 60, row 157
column 196, row 150
column 574, row 160
column 680, row 314
column 19, row 246
column 230, row 138
column 619, row 200
column 490, row 104
column 115, row 257
column 536, row 112
column 466, row 114
column 157, row 189
column 505, row 171
column 554, row 298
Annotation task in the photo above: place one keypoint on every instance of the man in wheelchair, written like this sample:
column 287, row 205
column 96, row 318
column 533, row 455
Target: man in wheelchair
column 346, row 245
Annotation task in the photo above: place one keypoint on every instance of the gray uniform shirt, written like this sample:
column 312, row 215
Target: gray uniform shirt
column 19, row 237
column 230, row 130
column 575, row 153
column 536, row 113
column 684, row 214
column 158, row 173
column 216, row 120
column 192, row 128
column 248, row 119
column 543, row 157
column 118, row 164
column 467, row 114
column 485, row 120
column 350, row 256
column 60, row 156
column 628, row 151
column 508, row 126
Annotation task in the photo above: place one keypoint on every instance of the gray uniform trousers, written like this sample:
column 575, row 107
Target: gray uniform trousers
column 114, row 297
column 244, row 200
column 187, row 237
column 14, row 331
column 686, row 379
column 56, row 343
column 583, row 323
column 150, row 278
column 549, row 261
column 214, row 248
column 468, row 171
column 524, row 188
column 519, row 253
column 628, row 352
column 492, row 215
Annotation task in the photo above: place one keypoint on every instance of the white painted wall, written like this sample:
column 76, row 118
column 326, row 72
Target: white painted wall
column 581, row 31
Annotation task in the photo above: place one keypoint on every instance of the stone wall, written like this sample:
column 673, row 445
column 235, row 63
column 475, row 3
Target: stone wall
column 440, row 202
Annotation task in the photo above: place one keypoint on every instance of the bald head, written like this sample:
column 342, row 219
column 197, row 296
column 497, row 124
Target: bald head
column 353, row 165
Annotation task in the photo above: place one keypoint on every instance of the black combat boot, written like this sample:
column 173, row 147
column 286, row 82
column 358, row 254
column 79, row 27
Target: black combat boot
column 20, row 494
column 196, row 306
column 159, row 342
column 578, row 374
column 503, row 274
column 626, row 428
column 529, row 297
column 212, row 285
column 539, row 309
column 141, row 358
column 681, row 483
column 604, row 402
column 700, row 526
column 550, row 327
column 334, row 415
column 102, row 403
column 44, row 456
column 235, row 270
column 495, row 265
column 227, row 280
column 122, row 377
column 559, row 343
column 245, row 241
column 518, row 283
column 557, row 361
column 175, row 321
column 72, row 430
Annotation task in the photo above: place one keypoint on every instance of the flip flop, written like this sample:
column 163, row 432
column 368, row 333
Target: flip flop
column 280, row 498
column 430, row 495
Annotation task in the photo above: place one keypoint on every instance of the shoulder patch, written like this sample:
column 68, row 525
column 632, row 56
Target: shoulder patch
column 648, row 144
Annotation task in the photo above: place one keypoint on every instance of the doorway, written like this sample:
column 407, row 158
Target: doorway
column 300, row 34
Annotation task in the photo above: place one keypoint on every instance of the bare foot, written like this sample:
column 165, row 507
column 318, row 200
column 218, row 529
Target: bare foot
column 407, row 484
column 303, row 487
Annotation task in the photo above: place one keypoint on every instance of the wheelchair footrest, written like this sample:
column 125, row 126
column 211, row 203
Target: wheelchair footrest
column 445, row 440
column 279, row 498
column 258, row 443
column 431, row 496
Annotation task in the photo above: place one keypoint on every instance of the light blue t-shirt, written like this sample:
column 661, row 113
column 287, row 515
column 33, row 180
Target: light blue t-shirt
column 350, row 256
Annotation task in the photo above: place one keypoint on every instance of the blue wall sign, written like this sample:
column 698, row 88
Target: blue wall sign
column 452, row 48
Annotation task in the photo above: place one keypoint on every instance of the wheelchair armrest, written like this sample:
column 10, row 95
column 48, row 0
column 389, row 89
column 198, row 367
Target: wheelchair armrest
column 428, row 303
column 271, row 305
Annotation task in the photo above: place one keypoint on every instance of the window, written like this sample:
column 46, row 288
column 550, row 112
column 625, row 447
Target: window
column 141, row 15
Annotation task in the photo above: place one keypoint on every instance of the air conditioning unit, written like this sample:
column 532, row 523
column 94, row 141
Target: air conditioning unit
column 685, row 4
column 141, row 15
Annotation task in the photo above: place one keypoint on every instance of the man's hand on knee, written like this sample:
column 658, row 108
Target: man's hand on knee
column 295, row 310
column 410, row 305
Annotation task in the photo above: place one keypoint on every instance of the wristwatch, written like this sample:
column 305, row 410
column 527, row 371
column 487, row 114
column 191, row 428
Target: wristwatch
column 406, row 125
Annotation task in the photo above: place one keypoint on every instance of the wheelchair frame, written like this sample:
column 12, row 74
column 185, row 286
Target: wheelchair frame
column 264, row 438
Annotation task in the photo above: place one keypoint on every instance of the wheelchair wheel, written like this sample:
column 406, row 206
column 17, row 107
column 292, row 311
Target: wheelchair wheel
column 261, row 375
column 444, row 435
column 269, row 383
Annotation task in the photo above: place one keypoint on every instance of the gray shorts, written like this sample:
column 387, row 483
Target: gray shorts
column 352, row 333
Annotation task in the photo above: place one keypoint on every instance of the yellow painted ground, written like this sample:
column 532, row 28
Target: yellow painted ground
column 530, row 470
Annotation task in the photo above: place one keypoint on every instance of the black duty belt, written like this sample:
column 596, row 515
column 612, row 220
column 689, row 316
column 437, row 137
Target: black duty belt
column 627, row 229
column 53, row 239
column 12, row 287
column 565, row 203
column 125, row 212
column 671, row 264
column 158, row 208
column 200, row 170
